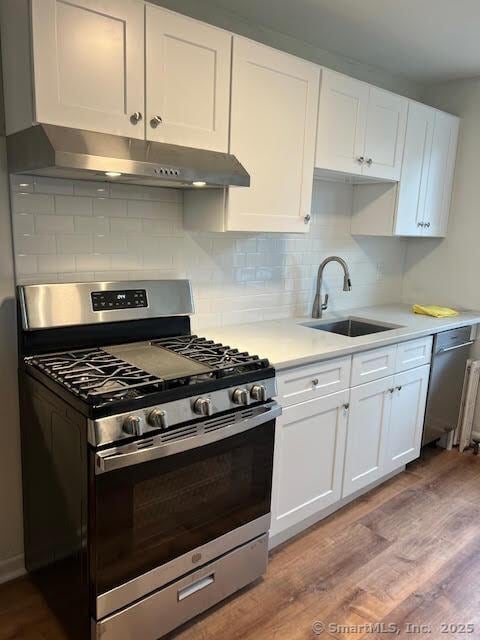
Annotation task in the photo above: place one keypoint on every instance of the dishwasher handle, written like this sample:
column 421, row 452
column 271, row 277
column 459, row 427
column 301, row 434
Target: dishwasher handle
column 454, row 347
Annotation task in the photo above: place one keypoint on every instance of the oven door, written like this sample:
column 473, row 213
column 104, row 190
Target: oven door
column 167, row 505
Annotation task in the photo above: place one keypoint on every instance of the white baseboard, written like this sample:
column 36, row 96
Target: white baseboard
column 12, row 568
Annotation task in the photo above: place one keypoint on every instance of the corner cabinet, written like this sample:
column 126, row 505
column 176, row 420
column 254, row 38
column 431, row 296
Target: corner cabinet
column 419, row 205
column 272, row 132
column 361, row 129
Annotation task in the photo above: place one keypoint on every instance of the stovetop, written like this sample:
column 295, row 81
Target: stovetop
column 130, row 375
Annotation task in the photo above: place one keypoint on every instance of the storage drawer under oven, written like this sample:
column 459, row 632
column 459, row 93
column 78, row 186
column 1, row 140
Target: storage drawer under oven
column 166, row 609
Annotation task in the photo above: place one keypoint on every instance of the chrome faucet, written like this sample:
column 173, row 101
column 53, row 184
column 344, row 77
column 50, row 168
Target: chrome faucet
column 318, row 306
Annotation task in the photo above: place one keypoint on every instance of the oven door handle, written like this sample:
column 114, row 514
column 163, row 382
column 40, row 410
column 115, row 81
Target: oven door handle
column 112, row 459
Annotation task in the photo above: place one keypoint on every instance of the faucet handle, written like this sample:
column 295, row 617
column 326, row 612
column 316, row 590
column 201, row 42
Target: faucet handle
column 325, row 303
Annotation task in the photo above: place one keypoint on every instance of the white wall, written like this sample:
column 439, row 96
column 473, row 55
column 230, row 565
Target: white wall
column 209, row 11
column 446, row 271
column 69, row 231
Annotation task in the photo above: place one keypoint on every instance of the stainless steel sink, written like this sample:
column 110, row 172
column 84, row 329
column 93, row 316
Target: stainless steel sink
column 351, row 327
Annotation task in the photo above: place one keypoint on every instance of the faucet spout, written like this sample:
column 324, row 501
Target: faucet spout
column 318, row 306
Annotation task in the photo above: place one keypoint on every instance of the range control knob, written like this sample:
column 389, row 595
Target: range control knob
column 203, row 407
column 259, row 393
column 132, row 426
column 240, row 396
column 157, row 418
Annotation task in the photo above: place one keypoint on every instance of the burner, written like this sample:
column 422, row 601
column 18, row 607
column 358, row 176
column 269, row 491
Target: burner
column 105, row 376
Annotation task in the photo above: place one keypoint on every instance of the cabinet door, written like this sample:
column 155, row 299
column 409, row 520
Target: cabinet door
column 370, row 406
column 188, row 81
column 412, row 190
column 385, row 135
column 88, row 59
column 273, row 122
column 407, row 417
column 440, row 176
column 308, row 462
column 342, row 120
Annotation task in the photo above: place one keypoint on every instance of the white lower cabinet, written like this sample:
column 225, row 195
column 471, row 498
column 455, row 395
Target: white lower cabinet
column 329, row 448
column 406, row 419
column 370, row 408
column 308, row 463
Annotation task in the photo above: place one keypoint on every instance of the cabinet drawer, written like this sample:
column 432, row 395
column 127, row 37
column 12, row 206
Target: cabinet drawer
column 372, row 365
column 413, row 353
column 313, row 381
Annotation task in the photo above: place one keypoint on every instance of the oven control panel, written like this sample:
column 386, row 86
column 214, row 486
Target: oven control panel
column 111, row 300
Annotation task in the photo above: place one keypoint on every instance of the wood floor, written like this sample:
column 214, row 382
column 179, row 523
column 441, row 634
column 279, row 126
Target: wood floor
column 407, row 553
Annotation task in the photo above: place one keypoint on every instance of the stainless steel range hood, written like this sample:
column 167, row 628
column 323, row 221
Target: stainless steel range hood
column 62, row 152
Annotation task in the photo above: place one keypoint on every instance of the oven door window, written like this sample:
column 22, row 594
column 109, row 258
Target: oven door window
column 151, row 513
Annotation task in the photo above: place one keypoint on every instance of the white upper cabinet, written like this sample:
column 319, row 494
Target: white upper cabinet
column 419, row 205
column 273, row 120
column 412, row 190
column 385, row 134
column 342, row 120
column 88, row 60
column 187, row 80
column 361, row 129
column 441, row 174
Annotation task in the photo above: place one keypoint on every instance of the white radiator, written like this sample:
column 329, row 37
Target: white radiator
column 469, row 400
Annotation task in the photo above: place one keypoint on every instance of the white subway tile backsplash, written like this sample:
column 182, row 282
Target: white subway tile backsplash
column 33, row 203
column 137, row 233
column 87, row 188
column 73, row 205
column 55, row 263
column 75, row 243
column 92, row 262
column 111, row 243
column 35, row 244
column 54, row 224
column 53, row 185
column 91, row 224
column 24, row 223
column 110, row 208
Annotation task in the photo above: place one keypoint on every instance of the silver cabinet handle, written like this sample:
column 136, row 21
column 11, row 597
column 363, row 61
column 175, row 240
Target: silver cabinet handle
column 346, row 407
column 391, row 390
column 196, row 586
column 307, row 218
column 419, row 224
column 361, row 159
column 457, row 346
column 314, row 382
column 399, row 388
column 136, row 117
column 427, row 224
column 370, row 162
column 155, row 121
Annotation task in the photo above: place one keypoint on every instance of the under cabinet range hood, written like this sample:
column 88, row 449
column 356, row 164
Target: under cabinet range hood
column 63, row 152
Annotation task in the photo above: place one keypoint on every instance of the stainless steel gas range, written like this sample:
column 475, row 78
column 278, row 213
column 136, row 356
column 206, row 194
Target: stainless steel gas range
column 147, row 457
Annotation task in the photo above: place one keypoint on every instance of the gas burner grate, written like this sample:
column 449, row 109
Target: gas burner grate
column 100, row 377
column 221, row 359
column 96, row 375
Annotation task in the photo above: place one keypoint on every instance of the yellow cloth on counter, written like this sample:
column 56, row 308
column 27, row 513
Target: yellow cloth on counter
column 433, row 310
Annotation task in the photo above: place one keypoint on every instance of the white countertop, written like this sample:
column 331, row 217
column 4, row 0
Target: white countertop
column 286, row 343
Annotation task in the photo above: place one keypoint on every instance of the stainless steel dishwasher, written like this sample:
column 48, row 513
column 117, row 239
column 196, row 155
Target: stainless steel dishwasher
column 451, row 350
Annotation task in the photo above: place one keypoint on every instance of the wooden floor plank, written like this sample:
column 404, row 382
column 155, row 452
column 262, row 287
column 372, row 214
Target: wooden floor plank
column 407, row 552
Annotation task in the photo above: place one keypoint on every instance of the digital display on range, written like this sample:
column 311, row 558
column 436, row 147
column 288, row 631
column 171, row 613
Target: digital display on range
column 111, row 300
